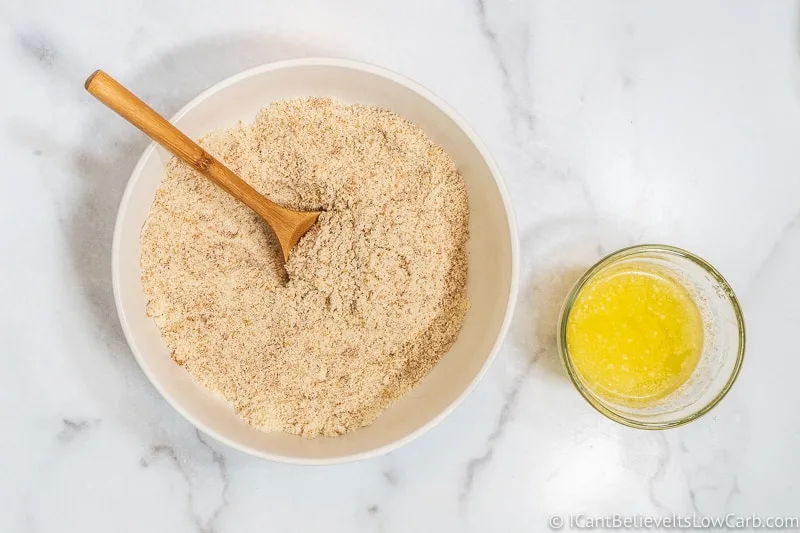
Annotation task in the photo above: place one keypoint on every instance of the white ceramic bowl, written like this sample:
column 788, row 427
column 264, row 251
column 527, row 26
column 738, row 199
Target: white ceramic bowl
column 492, row 250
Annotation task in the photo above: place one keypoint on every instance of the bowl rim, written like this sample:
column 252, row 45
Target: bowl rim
column 598, row 403
column 462, row 125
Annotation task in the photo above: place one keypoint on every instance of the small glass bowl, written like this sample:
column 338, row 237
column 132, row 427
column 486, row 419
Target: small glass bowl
column 723, row 346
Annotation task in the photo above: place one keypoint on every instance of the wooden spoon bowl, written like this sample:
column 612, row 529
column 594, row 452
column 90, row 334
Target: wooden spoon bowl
column 289, row 226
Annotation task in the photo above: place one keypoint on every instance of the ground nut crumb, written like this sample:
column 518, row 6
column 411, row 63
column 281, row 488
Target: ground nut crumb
column 371, row 297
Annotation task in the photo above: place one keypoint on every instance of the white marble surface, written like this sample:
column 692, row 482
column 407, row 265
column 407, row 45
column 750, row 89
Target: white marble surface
column 613, row 122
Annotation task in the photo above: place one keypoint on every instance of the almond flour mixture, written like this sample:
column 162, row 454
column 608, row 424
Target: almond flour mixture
column 375, row 292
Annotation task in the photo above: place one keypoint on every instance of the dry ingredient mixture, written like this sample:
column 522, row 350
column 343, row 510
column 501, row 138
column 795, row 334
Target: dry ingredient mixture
column 370, row 298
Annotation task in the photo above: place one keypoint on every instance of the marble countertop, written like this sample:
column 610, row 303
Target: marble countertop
column 613, row 123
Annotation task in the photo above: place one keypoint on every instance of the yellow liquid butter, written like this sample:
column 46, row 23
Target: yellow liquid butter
column 634, row 334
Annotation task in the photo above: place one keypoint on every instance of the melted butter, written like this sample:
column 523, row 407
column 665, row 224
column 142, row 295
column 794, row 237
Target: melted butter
column 635, row 334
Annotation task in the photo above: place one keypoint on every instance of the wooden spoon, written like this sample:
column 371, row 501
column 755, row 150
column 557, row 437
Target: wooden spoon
column 288, row 225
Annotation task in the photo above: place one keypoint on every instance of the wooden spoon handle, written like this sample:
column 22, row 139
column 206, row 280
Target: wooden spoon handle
column 128, row 106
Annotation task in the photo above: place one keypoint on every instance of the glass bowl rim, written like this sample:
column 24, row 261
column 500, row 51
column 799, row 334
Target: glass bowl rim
column 610, row 259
